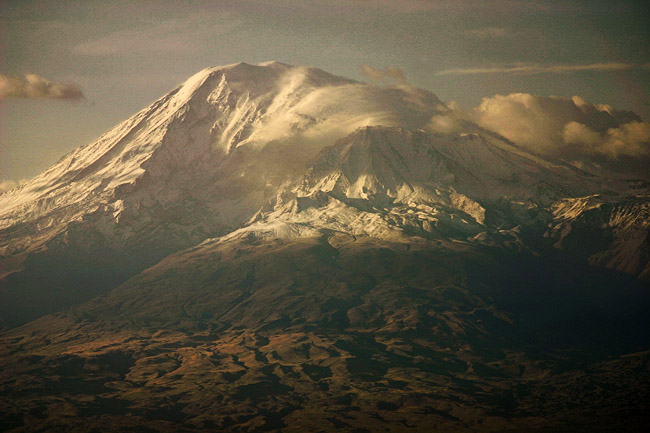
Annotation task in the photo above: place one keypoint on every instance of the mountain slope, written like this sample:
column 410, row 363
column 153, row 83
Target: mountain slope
column 192, row 165
column 274, row 248
column 204, row 158
column 615, row 235
column 335, row 332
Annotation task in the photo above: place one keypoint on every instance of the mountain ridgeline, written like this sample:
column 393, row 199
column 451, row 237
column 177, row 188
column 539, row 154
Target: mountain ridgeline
column 275, row 248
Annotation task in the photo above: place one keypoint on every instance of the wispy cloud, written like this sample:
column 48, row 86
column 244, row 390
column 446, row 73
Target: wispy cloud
column 33, row 86
column 408, row 6
column 545, row 69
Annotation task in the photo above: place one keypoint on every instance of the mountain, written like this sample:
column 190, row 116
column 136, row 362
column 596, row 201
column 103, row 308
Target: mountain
column 274, row 248
column 616, row 233
column 193, row 164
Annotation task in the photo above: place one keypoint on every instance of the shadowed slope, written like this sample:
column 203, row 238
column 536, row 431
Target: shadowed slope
column 330, row 333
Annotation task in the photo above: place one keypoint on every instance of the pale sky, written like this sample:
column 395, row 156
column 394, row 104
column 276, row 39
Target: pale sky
column 122, row 55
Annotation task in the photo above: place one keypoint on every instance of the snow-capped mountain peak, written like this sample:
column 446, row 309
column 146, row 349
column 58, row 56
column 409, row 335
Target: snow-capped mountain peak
column 275, row 145
column 215, row 111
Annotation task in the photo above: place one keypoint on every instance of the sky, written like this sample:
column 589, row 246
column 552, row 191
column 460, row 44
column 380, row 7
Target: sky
column 70, row 70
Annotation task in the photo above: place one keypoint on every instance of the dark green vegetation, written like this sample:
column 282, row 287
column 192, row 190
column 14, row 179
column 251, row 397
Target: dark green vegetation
column 336, row 333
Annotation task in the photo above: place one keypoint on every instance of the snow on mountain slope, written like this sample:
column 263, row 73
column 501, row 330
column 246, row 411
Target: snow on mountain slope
column 288, row 149
column 433, row 185
column 267, row 239
column 406, row 165
column 229, row 137
column 209, row 127
column 393, row 183
column 605, row 232
column 198, row 162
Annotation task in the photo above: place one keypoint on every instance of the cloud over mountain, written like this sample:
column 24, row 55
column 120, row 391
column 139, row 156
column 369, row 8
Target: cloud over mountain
column 596, row 137
column 630, row 139
column 9, row 184
column 33, row 86
column 553, row 125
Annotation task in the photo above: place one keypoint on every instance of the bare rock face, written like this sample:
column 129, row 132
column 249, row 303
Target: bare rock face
column 274, row 248
column 612, row 234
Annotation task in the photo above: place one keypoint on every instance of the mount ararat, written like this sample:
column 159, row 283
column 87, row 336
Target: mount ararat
column 275, row 248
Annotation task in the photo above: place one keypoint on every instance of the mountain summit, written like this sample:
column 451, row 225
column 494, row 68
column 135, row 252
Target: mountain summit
column 274, row 248
column 215, row 115
column 199, row 161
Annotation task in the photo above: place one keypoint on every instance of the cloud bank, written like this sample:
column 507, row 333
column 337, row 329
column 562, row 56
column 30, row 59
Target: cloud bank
column 552, row 125
column 33, row 86
column 571, row 129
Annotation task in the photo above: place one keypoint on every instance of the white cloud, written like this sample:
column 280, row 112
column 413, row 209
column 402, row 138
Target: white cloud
column 575, row 133
column 631, row 139
column 545, row 69
column 445, row 123
column 36, row 87
column 532, row 121
column 572, row 129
